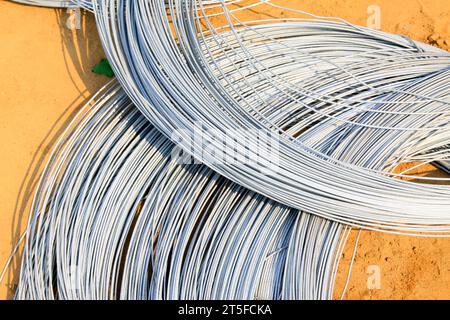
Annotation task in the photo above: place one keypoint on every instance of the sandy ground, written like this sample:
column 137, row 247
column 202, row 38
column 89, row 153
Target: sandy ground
column 45, row 76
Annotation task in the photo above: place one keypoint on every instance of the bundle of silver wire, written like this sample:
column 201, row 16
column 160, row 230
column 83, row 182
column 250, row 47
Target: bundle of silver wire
column 115, row 216
column 180, row 70
column 86, row 4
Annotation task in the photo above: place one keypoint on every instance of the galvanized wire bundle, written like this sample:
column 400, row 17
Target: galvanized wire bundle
column 183, row 71
column 87, row 4
column 115, row 216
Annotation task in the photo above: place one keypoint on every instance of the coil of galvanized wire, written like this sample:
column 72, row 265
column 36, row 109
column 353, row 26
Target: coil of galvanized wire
column 115, row 216
column 186, row 75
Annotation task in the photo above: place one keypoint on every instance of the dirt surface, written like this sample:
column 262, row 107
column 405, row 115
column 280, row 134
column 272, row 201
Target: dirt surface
column 46, row 75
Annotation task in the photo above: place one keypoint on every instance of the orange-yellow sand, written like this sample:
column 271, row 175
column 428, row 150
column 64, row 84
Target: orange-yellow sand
column 45, row 76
